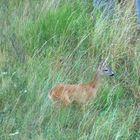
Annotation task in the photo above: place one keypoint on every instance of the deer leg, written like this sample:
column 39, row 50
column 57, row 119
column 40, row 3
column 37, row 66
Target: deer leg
column 66, row 100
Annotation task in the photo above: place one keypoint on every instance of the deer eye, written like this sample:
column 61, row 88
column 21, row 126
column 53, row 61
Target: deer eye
column 105, row 70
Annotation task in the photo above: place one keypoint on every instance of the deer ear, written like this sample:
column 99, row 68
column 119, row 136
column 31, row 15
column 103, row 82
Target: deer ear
column 102, row 63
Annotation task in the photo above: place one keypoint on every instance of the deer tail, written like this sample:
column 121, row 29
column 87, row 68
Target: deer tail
column 50, row 95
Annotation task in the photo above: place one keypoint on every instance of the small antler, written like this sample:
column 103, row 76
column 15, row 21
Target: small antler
column 105, row 61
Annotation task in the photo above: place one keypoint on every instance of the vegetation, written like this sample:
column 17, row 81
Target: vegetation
column 46, row 42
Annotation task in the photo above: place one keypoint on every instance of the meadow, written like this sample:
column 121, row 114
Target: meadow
column 46, row 42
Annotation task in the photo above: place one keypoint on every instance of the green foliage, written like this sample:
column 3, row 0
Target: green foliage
column 43, row 43
column 65, row 25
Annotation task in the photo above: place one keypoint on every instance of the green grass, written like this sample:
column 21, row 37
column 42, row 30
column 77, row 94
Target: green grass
column 43, row 43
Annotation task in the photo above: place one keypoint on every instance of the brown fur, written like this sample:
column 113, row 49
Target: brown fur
column 82, row 93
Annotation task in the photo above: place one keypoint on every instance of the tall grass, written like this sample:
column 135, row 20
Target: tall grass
column 46, row 42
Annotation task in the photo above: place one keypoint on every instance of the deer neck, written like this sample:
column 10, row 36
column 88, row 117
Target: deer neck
column 95, row 83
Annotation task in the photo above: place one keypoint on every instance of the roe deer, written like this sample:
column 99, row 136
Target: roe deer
column 80, row 93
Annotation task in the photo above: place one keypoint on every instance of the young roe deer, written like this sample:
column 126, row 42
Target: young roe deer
column 80, row 93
